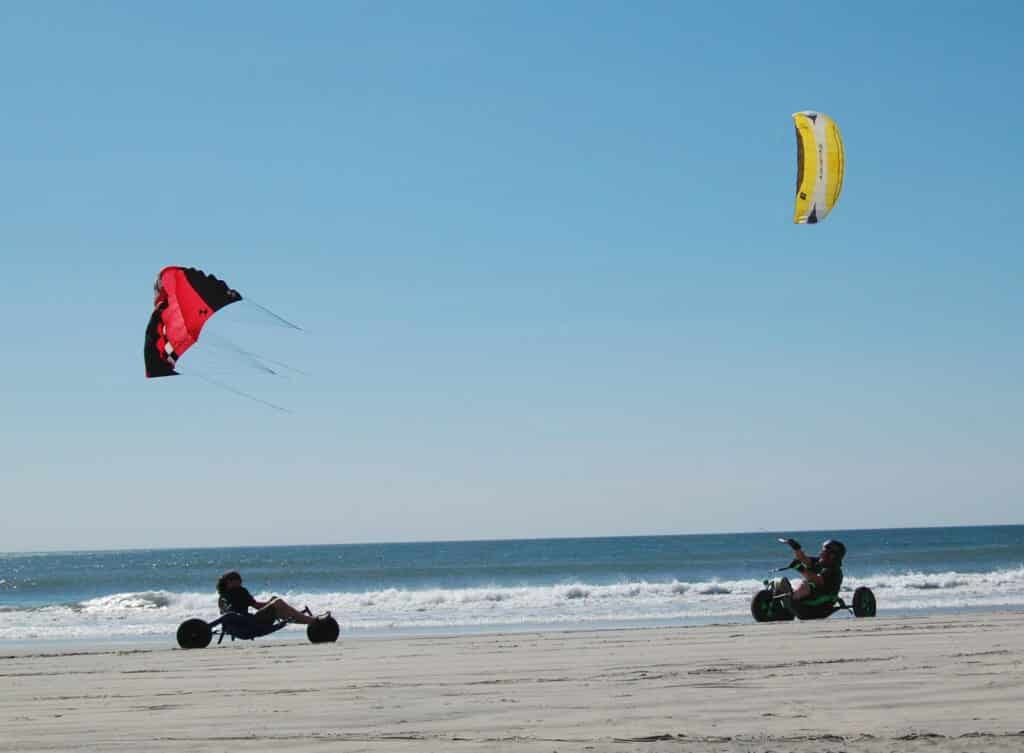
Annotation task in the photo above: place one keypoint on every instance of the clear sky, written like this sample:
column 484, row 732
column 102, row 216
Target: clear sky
column 545, row 258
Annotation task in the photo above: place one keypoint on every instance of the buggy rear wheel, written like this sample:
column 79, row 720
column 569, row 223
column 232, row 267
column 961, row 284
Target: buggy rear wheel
column 324, row 630
column 863, row 602
column 194, row 633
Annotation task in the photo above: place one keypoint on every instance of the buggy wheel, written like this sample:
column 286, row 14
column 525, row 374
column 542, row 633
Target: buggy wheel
column 194, row 633
column 324, row 630
column 761, row 606
column 863, row 602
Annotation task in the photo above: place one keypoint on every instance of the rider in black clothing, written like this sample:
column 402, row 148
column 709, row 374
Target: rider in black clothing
column 823, row 575
column 234, row 597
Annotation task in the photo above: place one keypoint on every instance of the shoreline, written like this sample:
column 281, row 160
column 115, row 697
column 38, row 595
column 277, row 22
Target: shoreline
column 294, row 634
column 935, row 682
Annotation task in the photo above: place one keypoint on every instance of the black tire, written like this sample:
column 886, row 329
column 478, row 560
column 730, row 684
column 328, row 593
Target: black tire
column 761, row 606
column 194, row 633
column 324, row 630
column 863, row 602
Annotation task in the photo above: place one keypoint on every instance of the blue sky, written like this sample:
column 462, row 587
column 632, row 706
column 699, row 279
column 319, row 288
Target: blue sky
column 544, row 256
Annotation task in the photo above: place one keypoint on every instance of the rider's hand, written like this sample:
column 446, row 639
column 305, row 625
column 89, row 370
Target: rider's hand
column 793, row 544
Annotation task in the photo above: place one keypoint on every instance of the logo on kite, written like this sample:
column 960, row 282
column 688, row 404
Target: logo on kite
column 820, row 160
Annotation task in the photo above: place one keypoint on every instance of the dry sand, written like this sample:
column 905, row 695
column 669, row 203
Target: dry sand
column 935, row 683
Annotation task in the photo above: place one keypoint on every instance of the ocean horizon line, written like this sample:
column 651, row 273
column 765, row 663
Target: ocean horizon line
column 489, row 540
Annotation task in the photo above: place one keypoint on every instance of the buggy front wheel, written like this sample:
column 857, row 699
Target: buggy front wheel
column 324, row 630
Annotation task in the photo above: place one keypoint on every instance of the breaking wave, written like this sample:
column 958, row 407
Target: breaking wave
column 152, row 614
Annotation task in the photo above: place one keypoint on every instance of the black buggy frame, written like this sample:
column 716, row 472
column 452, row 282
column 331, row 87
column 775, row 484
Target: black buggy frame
column 198, row 633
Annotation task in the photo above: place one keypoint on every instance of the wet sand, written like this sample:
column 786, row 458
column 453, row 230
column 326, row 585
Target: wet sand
column 934, row 683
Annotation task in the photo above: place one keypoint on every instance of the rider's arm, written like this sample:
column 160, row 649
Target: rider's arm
column 253, row 603
column 807, row 571
column 261, row 604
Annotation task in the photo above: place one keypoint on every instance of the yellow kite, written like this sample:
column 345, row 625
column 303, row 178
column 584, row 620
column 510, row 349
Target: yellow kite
column 820, row 161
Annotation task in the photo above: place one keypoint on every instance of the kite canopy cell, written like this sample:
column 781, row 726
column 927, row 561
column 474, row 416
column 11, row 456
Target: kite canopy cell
column 821, row 161
column 185, row 299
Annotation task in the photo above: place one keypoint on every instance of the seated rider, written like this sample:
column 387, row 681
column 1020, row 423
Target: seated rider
column 823, row 575
column 234, row 597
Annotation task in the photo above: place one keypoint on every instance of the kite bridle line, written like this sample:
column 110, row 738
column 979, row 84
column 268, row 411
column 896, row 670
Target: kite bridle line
column 236, row 391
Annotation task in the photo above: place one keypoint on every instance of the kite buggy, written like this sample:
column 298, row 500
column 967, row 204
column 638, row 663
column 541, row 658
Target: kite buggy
column 197, row 633
column 778, row 600
column 236, row 620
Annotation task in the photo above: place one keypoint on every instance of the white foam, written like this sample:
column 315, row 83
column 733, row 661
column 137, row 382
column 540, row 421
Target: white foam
column 158, row 613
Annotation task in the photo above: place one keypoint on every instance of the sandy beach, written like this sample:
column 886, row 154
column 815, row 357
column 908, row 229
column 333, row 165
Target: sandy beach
column 936, row 683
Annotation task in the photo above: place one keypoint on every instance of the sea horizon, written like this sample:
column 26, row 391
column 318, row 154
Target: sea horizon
column 497, row 539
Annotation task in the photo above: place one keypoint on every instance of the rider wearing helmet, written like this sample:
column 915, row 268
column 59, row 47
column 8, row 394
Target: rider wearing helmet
column 823, row 575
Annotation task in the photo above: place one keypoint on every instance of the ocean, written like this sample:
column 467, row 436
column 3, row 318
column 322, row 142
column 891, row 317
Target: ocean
column 473, row 586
